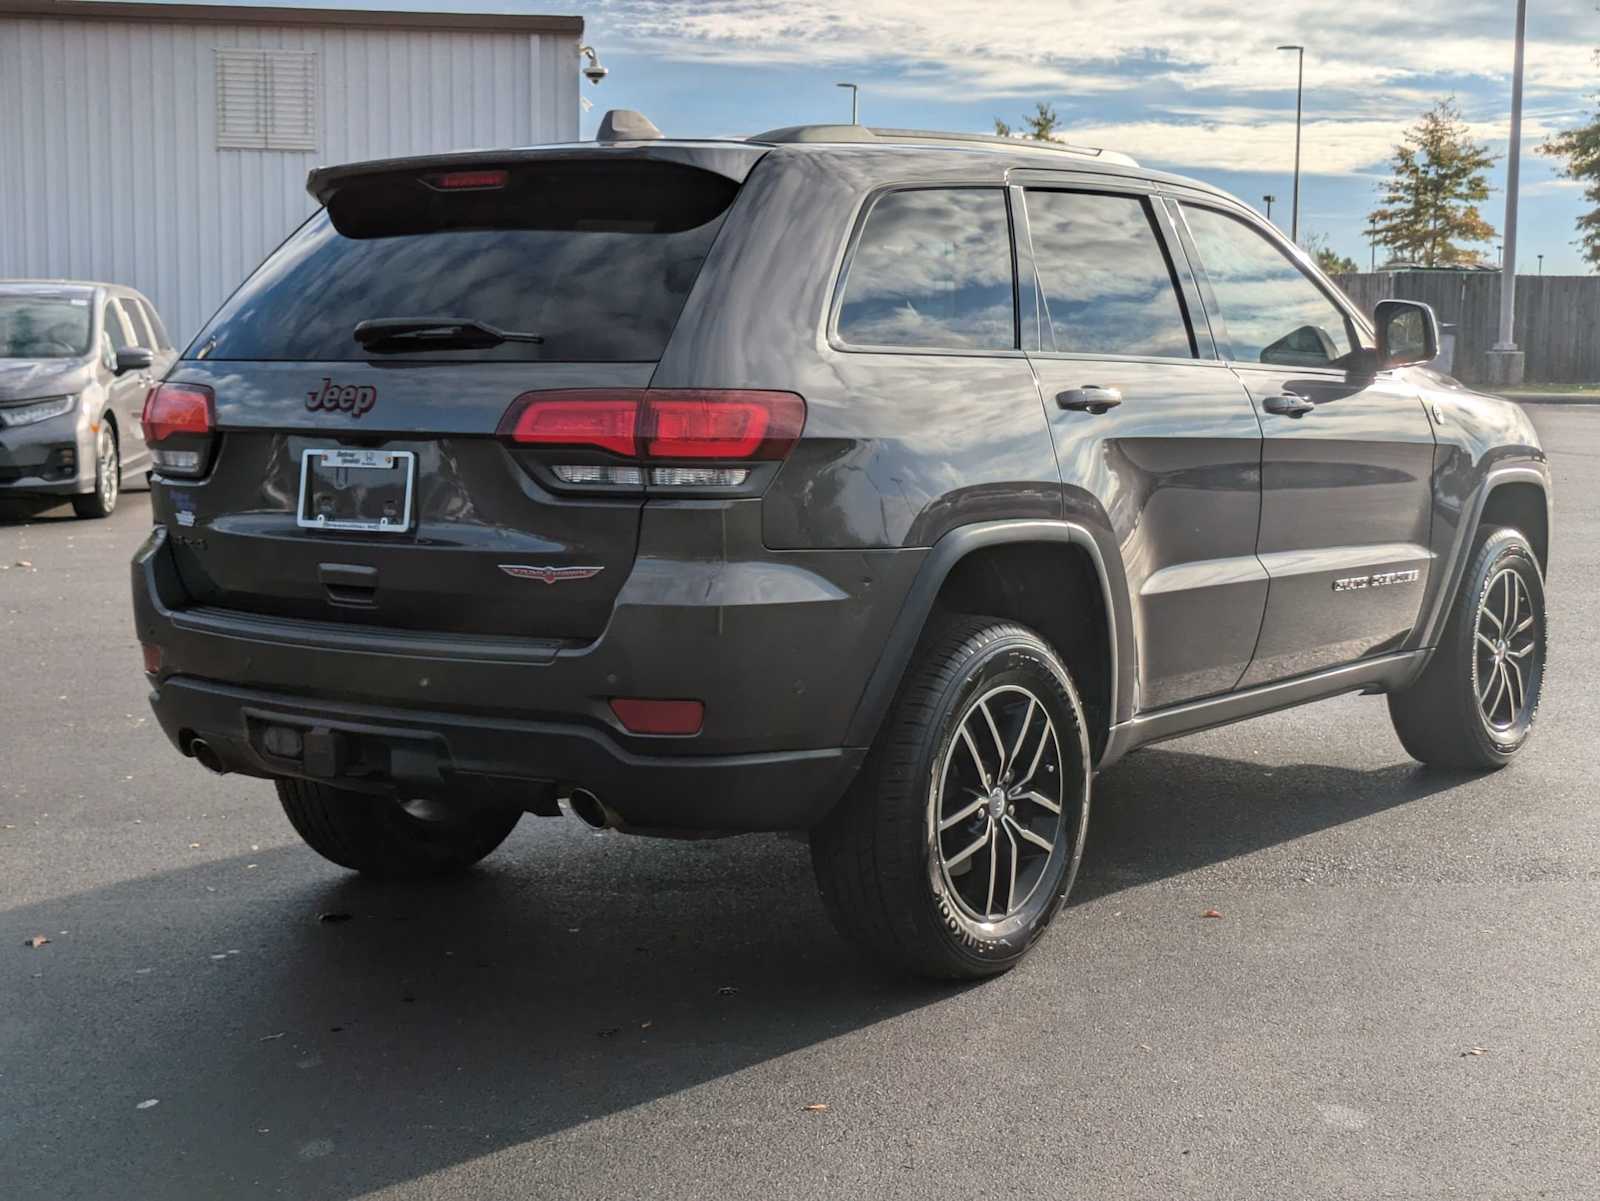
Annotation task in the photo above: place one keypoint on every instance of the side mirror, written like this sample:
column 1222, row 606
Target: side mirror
column 1408, row 333
column 134, row 358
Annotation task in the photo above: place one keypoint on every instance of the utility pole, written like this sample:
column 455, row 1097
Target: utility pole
column 1506, row 362
column 1372, row 241
column 1270, row 201
column 1299, row 108
column 855, row 97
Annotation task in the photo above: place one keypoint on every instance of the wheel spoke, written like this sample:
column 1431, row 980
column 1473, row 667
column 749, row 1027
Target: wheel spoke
column 994, row 862
column 977, row 759
column 1487, row 641
column 1011, row 891
column 1016, row 751
column 1509, row 609
column 999, row 743
column 1486, row 611
column 1513, row 672
column 1500, row 690
column 958, row 818
column 1038, row 798
column 1494, row 677
column 1044, row 844
column 1525, row 624
column 1522, row 654
column 961, row 857
column 1038, row 753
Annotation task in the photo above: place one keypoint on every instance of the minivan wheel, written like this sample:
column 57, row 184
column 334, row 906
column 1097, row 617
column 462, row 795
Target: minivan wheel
column 102, row 502
column 380, row 836
column 1474, row 705
column 961, row 837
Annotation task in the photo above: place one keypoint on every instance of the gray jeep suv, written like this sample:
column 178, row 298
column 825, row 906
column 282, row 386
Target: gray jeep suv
column 876, row 484
column 76, row 360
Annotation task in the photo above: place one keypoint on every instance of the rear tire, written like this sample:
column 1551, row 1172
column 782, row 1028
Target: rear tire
column 961, row 837
column 378, row 836
column 1474, row 705
column 102, row 502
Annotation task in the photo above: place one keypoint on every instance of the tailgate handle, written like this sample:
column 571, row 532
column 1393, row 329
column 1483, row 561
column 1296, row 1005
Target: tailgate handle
column 350, row 584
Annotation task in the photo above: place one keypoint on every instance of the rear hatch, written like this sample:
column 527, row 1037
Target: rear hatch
column 352, row 470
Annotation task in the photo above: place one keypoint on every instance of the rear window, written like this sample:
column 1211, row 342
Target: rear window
column 595, row 258
column 44, row 327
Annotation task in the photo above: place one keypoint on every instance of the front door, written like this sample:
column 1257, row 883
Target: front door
column 127, row 390
column 1150, row 428
column 1347, row 461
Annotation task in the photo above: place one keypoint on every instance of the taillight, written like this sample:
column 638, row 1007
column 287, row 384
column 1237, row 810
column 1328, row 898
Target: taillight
column 656, row 425
column 177, row 427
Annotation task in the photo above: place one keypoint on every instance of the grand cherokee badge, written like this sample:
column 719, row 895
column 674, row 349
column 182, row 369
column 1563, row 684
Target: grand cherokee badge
column 550, row 575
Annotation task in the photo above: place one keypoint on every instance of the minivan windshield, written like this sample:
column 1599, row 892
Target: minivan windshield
column 44, row 327
column 595, row 258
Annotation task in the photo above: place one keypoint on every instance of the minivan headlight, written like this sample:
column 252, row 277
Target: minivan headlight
column 35, row 410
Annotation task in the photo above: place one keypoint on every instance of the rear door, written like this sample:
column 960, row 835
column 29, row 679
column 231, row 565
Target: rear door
column 577, row 267
column 1151, row 427
column 1347, row 461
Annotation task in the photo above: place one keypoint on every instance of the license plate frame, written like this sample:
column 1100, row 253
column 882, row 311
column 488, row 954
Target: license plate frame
column 350, row 459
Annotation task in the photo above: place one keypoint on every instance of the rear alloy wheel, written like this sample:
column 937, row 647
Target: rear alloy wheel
column 1474, row 705
column 381, row 836
column 961, row 837
column 107, row 477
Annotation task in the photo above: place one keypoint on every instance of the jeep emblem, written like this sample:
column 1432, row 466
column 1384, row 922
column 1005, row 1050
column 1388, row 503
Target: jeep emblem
column 342, row 398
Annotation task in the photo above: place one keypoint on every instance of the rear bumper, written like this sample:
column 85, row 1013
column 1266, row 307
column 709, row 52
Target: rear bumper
column 430, row 753
column 779, row 646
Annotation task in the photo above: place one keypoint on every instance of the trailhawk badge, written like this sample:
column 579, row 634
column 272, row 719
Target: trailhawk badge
column 549, row 575
column 1380, row 579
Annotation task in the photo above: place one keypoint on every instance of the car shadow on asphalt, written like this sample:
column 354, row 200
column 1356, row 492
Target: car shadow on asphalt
column 323, row 1035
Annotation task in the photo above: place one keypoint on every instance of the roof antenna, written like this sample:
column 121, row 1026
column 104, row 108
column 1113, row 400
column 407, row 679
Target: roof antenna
column 625, row 125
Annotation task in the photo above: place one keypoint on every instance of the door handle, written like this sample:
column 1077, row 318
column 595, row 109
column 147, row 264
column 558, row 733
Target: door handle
column 1289, row 404
column 1091, row 398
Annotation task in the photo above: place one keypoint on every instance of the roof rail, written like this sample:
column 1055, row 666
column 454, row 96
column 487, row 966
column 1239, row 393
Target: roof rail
column 863, row 133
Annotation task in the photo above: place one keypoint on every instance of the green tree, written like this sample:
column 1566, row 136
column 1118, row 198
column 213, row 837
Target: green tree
column 1041, row 124
column 1579, row 149
column 1334, row 263
column 1430, row 204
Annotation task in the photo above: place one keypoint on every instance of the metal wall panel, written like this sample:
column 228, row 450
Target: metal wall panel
column 109, row 166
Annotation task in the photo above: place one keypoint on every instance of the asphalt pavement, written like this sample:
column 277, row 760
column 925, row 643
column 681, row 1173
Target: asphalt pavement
column 1400, row 999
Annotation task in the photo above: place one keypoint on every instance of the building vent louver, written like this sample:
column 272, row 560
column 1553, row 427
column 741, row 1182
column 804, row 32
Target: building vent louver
column 266, row 99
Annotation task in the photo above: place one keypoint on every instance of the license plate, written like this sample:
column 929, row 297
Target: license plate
column 344, row 489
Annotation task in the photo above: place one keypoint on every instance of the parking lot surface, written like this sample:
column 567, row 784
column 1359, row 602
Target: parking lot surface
column 1398, row 1000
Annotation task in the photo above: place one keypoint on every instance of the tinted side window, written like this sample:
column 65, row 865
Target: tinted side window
column 153, row 319
column 113, row 323
column 1107, row 283
column 933, row 270
column 135, row 319
column 1273, row 312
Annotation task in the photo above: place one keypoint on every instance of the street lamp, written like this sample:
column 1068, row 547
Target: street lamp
column 1506, row 361
column 855, row 96
column 1270, row 201
column 1299, row 107
column 1372, row 241
column 1541, row 265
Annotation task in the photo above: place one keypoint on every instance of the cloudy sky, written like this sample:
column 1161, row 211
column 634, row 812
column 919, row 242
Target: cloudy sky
column 1190, row 85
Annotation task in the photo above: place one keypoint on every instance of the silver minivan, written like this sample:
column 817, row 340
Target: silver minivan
column 76, row 360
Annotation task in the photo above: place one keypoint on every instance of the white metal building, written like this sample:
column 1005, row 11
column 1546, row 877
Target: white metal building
column 165, row 146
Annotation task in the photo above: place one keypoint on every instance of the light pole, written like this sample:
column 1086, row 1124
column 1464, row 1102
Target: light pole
column 1541, row 266
column 855, row 96
column 1270, row 201
column 1372, row 241
column 1299, row 108
column 1506, row 361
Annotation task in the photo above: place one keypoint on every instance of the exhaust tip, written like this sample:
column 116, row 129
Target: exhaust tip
column 207, row 757
column 589, row 809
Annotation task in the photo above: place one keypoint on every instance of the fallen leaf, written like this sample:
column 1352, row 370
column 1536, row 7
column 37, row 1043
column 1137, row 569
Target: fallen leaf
column 150, row 1104
column 194, row 846
column 645, row 1025
column 1211, row 913
column 815, row 1107
column 329, row 919
column 267, row 1038
column 24, row 563
column 1474, row 1051
column 727, row 990
column 38, row 940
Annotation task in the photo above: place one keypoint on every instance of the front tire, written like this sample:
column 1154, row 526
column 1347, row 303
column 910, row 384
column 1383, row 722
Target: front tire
column 379, row 836
column 1474, row 705
column 102, row 502
column 960, row 839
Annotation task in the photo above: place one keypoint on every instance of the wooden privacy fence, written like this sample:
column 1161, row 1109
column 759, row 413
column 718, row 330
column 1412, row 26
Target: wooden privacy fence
column 1558, row 317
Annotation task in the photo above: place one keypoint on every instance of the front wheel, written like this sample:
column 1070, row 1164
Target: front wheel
column 960, row 839
column 381, row 836
column 1473, row 706
column 102, row 502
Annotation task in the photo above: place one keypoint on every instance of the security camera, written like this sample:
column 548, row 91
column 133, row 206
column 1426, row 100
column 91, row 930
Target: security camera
column 594, row 72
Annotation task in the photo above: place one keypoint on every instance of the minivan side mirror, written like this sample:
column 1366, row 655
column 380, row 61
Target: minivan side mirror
column 1408, row 333
column 134, row 358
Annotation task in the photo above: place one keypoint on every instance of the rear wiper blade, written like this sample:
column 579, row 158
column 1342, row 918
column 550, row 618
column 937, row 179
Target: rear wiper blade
column 398, row 333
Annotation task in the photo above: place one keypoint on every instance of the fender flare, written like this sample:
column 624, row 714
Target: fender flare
column 1515, row 473
column 949, row 550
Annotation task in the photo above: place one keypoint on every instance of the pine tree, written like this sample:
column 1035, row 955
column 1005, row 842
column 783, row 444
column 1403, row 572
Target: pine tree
column 1580, row 148
column 1041, row 124
column 1430, row 202
column 1326, row 257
